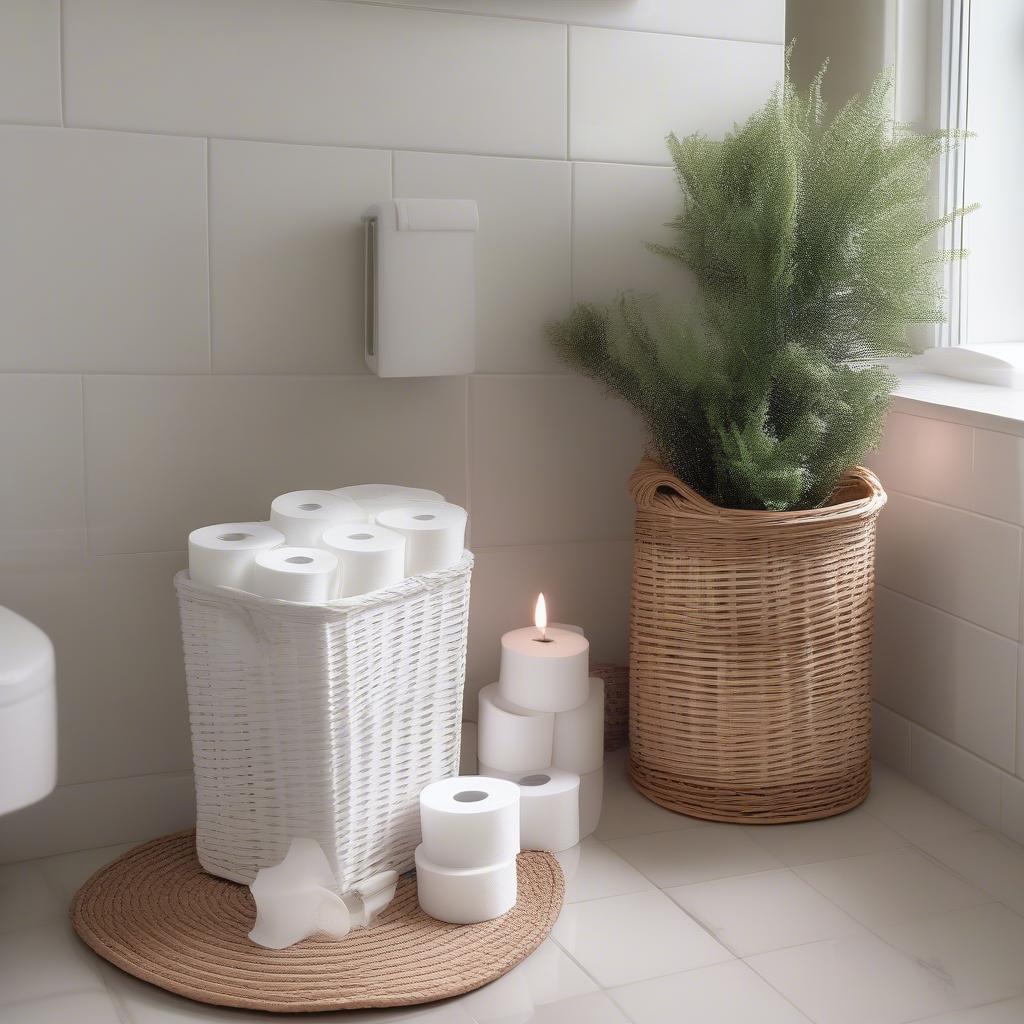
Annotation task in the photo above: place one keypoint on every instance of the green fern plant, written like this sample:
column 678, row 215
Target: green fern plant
column 808, row 238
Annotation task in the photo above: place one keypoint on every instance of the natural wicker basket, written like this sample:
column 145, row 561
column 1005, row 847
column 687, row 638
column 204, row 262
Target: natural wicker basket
column 323, row 721
column 616, row 704
column 750, row 652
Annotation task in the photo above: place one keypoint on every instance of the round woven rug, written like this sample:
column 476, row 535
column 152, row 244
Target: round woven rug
column 156, row 914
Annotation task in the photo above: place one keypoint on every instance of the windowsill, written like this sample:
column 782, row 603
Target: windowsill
column 961, row 401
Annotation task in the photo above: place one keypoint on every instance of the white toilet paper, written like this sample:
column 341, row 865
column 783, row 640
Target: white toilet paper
column 369, row 557
column 435, row 534
column 591, row 799
column 467, row 752
column 374, row 498
column 465, row 896
column 307, row 575
column 302, row 516
column 511, row 738
column 549, row 810
column 470, row 822
column 223, row 556
column 578, row 744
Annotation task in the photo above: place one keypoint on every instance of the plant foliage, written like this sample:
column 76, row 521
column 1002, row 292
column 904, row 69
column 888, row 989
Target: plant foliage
column 812, row 247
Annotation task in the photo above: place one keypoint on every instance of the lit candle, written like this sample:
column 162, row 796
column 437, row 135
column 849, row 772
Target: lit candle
column 545, row 668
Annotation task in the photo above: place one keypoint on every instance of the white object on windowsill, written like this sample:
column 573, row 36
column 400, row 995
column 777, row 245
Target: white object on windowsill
column 1000, row 364
column 295, row 899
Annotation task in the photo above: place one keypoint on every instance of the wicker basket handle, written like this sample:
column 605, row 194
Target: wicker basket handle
column 652, row 484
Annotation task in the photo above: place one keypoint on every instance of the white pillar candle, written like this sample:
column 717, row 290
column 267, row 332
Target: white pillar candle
column 470, row 822
column 435, row 534
column 369, row 557
column 549, row 810
column 465, row 895
column 591, row 799
column 578, row 742
column 302, row 516
column 512, row 738
column 305, row 575
column 545, row 671
column 223, row 556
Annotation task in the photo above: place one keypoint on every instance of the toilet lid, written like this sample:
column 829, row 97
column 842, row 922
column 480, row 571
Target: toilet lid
column 26, row 658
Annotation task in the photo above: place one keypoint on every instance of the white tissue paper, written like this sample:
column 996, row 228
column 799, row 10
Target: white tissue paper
column 370, row 557
column 549, row 810
column 305, row 575
column 296, row 899
column 223, row 555
column 578, row 744
column 511, row 738
column 302, row 516
column 374, row 498
column 434, row 532
column 470, row 822
column 465, row 895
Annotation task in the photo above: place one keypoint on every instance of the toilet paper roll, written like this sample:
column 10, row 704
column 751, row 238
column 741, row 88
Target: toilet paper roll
column 306, row 575
column 369, row 557
column 497, row 773
column 375, row 498
column 223, row 556
column 514, row 739
column 591, row 799
column 434, row 531
column 466, row 895
column 549, row 810
column 302, row 516
column 470, row 821
column 578, row 744
column 467, row 752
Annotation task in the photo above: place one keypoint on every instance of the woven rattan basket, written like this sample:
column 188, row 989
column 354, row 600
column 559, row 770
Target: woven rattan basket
column 750, row 652
column 323, row 721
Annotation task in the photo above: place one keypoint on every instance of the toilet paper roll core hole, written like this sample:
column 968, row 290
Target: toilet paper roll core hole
column 425, row 517
column 234, row 536
column 310, row 507
column 299, row 560
column 470, row 796
column 360, row 536
column 534, row 780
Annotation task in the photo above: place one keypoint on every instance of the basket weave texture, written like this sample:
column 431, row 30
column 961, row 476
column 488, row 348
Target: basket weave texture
column 750, row 652
column 322, row 721
column 616, row 704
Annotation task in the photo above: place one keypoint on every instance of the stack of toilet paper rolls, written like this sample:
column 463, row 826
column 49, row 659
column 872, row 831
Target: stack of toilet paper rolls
column 466, row 863
column 557, row 759
column 321, row 546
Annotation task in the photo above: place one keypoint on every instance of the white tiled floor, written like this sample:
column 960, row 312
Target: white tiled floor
column 902, row 911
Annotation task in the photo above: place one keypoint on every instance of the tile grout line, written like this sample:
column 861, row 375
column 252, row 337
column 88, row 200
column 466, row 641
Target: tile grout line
column 209, row 255
column 568, row 91
column 86, row 545
column 60, row 59
column 953, row 615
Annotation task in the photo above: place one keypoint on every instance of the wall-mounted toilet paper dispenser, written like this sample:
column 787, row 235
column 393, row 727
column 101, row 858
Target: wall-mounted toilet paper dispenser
column 421, row 287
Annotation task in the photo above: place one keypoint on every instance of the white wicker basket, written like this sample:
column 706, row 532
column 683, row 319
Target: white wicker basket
column 322, row 720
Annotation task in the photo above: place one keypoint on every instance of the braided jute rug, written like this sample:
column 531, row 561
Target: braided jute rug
column 156, row 914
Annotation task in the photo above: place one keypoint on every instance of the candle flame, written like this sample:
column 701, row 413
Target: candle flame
column 540, row 617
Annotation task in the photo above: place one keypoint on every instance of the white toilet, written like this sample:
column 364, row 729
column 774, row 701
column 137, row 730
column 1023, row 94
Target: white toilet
column 28, row 713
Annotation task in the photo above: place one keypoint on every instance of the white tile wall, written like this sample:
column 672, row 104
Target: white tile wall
column 305, row 71
column 950, row 676
column 965, row 564
column 182, row 293
column 286, row 255
column 29, row 62
column 731, row 19
column 949, row 685
column 104, row 252
column 617, row 209
column 627, row 91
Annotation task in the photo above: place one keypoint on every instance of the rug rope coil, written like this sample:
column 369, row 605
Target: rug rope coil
column 157, row 915
column 750, row 651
